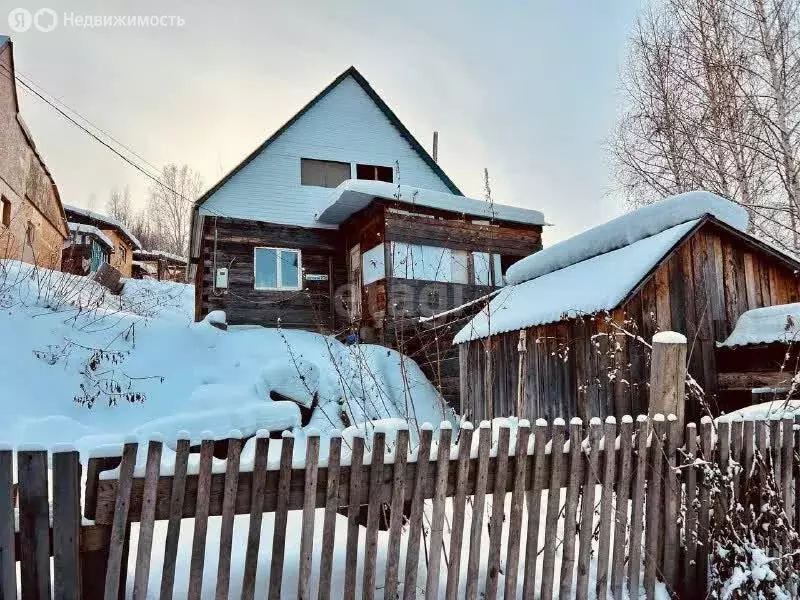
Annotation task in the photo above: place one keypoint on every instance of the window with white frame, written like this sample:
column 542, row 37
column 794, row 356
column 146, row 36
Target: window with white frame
column 487, row 269
column 277, row 269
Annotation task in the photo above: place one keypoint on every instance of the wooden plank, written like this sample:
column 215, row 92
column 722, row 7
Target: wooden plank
column 498, row 515
column 534, row 502
column 478, row 503
column 437, row 518
column 774, row 449
column 281, row 517
column 119, row 529
column 571, row 511
column 796, row 470
column 748, row 441
column 637, row 508
column 307, row 531
column 256, row 512
column 145, row 543
column 353, row 512
column 704, row 511
column 459, row 501
column 663, row 310
column 228, row 512
column 174, row 525
column 672, row 500
column 66, row 525
column 621, row 513
column 201, row 520
column 591, row 478
column 396, row 514
column 736, row 455
column 653, row 505
column 606, row 506
column 690, row 539
column 786, row 471
column 329, row 524
column 415, row 519
column 517, row 504
column 752, row 286
column 373, row 515
column 8, row 568
column 553, row 504
column 755, row 379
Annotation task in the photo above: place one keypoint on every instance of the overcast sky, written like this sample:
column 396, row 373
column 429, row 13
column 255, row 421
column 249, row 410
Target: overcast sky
column 527, row 89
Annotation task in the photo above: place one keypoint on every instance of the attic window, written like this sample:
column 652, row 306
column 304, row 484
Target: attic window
column 323, row 173
column 375, row 173
column 5, row 211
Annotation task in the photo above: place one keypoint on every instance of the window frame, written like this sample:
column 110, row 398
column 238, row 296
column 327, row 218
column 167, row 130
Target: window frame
column 5, row 212
column 374, row 169
column 279, row 269
column 320, row 160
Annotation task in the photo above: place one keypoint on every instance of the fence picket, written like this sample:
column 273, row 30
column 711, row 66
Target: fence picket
column 226, row 523
column 396, row 514
column 307, row 529
column 515, row 517
column 415, row 519
column 145, row 543
column 672, row 501
column 786, row 470
column 796, row 470
column 704, row 515
column 281, row 517
column 201, row 520
column 437, row 518
column 373, row 514
column 736, row 455
column 175, row 515
column 459, row 502
column 66, row 526
column 8, row 567
column 575, row 474
column 119, row 529
column 653, row 507
column 353, row 513
column 690, row 521
column 478, row 505
column 637, row 508
column 553, row 504
column 256, row 511
column 534, row 503
column 329, row 524
column 592, row 470
column 748, row 444
column 498, row 515
column 606, row 506
column 623, row 486
column 775, row 449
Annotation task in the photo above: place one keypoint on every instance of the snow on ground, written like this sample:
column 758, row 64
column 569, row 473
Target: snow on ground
column 780, row 323
column 72, row 339
column 777, row 409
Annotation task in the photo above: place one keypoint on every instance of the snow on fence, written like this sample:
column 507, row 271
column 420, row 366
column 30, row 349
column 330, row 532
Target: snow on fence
column 446, row 519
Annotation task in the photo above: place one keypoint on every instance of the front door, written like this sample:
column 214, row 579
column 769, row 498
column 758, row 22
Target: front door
column 354, row 279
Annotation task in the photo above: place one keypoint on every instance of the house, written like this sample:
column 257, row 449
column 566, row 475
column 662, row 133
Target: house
column 88, row 249
column 159, row 264
column 572, row 317
column 32, row 223
column 760, row 359
column 123, row 241
column 341, row 222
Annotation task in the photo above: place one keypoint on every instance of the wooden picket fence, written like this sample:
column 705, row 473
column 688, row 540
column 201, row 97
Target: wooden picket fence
column 622, row 506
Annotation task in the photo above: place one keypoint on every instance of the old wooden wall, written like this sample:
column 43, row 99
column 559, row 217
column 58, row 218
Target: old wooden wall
column 310, row 308
column 700, row 290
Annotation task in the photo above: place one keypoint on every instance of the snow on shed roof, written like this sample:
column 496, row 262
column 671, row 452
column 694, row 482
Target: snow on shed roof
column 780, row 323
column 91, row 230
column 354, row 194
column 625, row 230
column 156, row 254
column 593, row 285
column 101, row 218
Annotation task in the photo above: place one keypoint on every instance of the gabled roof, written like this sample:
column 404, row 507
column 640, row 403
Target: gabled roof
column 355, row 194
column 77, row 214
column 604, row 267
column 393, row 119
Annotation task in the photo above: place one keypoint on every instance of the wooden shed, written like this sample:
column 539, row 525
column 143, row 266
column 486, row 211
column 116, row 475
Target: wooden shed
column 576, row 317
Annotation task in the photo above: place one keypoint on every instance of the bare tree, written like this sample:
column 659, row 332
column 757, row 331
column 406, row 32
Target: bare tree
column 118, row 206
column 169, row 206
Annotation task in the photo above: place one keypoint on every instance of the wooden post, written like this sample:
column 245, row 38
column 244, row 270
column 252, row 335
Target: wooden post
column 66, row 524
column 668, row 376
column 34, row 524
column 522, row 348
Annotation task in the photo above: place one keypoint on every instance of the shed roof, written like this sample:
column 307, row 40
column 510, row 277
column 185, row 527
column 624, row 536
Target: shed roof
column 159, row 254
column 102, row 219
column 779, row 323
column 354, row 194
column 91, row 230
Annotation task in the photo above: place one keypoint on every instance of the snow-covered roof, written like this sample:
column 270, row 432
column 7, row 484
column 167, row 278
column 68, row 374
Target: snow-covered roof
column 780, row 323
column 354, row 194
column 91, row 230
column 101, row 218
column 597, row 284
column 156, row 254
column 625, row 230
column 147, row 268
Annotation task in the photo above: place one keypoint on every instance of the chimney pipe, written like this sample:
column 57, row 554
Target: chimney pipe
column 436, row 146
